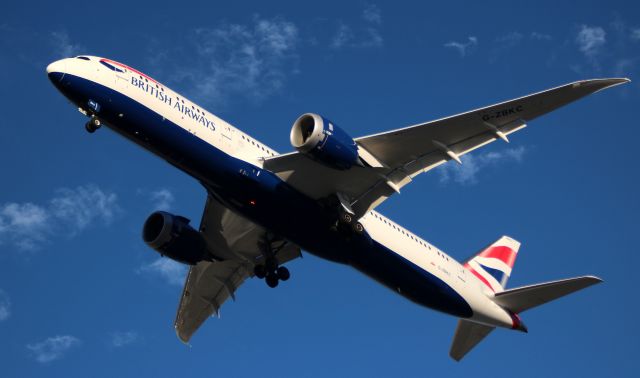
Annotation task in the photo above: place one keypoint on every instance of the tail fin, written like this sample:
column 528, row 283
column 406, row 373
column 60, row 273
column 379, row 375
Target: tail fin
column 469, row 334
column 493, row 265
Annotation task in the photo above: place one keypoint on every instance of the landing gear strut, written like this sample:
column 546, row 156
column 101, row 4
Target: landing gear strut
column 92, row 125
column 270, row 270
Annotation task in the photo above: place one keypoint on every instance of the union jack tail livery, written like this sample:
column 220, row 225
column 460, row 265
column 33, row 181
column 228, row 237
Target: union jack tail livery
column 493, row 265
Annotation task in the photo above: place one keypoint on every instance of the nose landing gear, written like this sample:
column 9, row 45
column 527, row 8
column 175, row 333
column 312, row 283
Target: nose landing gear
column 92, row 125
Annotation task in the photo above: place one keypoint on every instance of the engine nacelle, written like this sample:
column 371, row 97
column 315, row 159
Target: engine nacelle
column 314, row 135
column 171, row 236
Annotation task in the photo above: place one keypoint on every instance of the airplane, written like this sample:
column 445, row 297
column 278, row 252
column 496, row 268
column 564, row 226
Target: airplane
column 263, row 207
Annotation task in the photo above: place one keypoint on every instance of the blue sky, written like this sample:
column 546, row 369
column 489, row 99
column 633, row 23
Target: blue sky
column 80, row 294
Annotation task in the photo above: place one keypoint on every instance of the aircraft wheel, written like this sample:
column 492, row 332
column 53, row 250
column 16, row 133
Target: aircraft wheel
column 260, row 271
column 89, row 127
column 283, row 273
column 358, row 228
column 346, row 218
column 272, row 280
column 92, row 125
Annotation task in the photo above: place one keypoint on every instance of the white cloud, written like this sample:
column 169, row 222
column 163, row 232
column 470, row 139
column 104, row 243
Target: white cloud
column 251, row 61
column 373, row 38
column 466, row 174
column 83, row 205
column 362, row 36
column 624, row 67
column 5, row 306
column 372, row 14
column 63, row 46
column 53, row 348
column 635, row 34
column 120, row 339
column 536, row 36
column 171, row 271
column 590, row 40
column 463, row 48
column 342, row 37
column 23, row 224
column 510, row 39
column 162, row 199
column 27, row 226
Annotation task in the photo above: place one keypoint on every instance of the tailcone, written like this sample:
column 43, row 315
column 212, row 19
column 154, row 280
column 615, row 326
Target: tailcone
column 517, row 323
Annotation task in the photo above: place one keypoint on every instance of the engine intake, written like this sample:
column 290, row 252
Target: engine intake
column 318, row 137
column 172, row 236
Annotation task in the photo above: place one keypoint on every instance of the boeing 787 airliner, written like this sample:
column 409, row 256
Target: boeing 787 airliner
column 264, row 207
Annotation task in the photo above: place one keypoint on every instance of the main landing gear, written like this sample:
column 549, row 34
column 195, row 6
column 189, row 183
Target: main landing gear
column 93, row 124
column 346, row 223
column 272, row 273
column 270, row 270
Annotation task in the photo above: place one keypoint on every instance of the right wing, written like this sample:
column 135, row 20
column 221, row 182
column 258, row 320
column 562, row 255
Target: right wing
column 395, row 157
column 239, row 243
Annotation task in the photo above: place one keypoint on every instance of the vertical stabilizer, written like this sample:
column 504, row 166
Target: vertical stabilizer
column 493, row 265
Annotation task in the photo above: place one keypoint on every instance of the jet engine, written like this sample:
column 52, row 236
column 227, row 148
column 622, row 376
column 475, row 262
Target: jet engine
column 318, row 137
column 172, row 236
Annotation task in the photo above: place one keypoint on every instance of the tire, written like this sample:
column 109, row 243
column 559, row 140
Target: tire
column 346, row 218
column 89, row 127
column 272, row 280
column 96, row 122
column 260, row 271
column 358, row 228
column 283, row 273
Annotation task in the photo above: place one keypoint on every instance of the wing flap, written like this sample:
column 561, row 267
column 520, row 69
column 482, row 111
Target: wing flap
column 207, row 287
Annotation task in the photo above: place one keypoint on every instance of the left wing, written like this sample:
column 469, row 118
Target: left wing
column 395, row 157
column 240, row 244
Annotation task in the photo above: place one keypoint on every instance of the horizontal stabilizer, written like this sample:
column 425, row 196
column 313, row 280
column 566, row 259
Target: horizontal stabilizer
column 468, row 335
column 526, row 297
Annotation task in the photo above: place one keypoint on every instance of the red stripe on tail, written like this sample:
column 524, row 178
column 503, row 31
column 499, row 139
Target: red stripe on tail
column 502, row 253
column 484, row 280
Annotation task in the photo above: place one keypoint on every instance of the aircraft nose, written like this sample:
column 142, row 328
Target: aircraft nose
column 55, row 70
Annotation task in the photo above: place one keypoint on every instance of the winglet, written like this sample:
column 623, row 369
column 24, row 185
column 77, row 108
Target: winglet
column 601, row 84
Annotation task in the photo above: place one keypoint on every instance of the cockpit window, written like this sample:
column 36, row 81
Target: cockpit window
column 82, row 57
column 111, row 67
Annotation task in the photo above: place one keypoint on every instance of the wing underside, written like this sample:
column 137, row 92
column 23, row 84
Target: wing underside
column 238, row 245
column 395, row 157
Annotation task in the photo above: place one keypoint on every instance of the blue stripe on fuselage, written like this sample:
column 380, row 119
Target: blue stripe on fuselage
column 278, row 207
